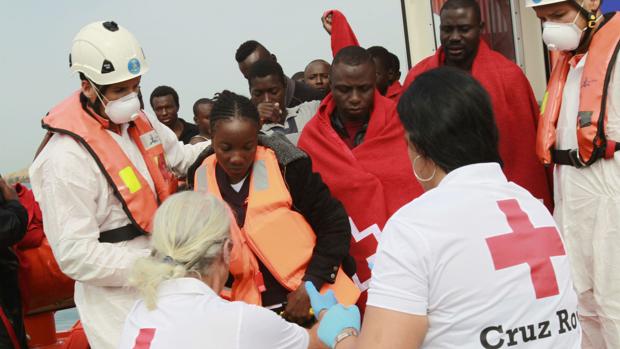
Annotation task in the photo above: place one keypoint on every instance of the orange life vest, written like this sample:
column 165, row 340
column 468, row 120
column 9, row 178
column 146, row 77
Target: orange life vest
column 592, row 140
column 279, row 236
column 130, row 187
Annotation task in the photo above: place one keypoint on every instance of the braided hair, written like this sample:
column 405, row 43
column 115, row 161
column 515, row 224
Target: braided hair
column 228, row 105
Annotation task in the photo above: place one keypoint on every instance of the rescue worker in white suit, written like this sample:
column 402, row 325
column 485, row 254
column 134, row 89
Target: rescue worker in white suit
column 104, row 171
column 578, row 132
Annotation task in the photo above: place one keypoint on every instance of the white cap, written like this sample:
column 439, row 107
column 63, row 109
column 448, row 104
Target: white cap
column 107, row 54
column 535, row 3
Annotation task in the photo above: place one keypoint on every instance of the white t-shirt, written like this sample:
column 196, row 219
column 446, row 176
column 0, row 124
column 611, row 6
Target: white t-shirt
column 190, row 315
column 459, row 255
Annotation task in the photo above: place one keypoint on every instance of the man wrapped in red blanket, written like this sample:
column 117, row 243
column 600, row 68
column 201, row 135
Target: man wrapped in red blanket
column 357, row 144
column 514, row 105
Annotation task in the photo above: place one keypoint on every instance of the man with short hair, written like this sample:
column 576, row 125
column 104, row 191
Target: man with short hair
column 358, row 146
column 299, row 76
column 267, row 89
column 165, row 103
column 395, row 89
column 296, row 92
column 381, row 57
column 316, row 75
column 202, row 117
column 514, row 105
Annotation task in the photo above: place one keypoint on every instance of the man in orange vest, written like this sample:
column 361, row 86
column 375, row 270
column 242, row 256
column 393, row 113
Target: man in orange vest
column 578, row 131
column 102, row 174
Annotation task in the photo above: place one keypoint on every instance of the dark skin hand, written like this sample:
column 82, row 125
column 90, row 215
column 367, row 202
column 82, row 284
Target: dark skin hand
column 298, row 307
column 269, row 112
column 326, row 20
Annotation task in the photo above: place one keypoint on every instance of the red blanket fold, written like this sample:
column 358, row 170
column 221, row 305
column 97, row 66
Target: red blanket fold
column 372, row 180
column 516, row 115
column 394, row 91
column 342, row 35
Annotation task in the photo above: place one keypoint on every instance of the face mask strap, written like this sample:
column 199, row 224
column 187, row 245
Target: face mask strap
column 590, row 17
column 98, row 93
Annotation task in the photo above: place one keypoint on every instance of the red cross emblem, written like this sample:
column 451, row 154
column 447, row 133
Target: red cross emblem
column 526, row 244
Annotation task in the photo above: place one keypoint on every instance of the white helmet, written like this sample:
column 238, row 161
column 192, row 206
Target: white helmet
column 535, row 3
column 107, row 54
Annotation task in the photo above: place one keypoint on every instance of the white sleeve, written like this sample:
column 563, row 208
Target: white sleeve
column 179, row 156
column 67, row 192
column 399, row 279
column 262, row 328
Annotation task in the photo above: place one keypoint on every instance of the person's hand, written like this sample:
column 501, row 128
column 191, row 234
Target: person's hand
column 7, row 191
column 298, row 306
column 269, row 112
column 319, row 301
column 337, row 319
column 326, row 19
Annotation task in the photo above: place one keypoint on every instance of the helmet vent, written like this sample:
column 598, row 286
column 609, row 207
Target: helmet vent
column 111, row 26
column 70, row 63
column 107, row 67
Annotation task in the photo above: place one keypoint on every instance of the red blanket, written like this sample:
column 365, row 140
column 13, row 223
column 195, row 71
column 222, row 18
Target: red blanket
column 342, row 35
column 394, row 91
column 372, row 180
column 516, row 115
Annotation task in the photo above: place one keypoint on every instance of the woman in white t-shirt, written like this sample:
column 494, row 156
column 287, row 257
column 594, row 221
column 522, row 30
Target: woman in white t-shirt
column 475, row 262
column 180, row 283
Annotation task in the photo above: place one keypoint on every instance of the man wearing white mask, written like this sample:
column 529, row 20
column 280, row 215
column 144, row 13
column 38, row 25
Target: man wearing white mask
column 105, row 169
column 578, row 132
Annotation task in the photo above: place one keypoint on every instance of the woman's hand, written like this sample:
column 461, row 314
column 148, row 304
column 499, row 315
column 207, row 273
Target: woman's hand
column 320, row 302
column 298, row 307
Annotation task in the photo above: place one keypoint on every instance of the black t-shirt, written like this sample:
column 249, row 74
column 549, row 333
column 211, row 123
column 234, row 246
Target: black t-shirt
column 189, row 131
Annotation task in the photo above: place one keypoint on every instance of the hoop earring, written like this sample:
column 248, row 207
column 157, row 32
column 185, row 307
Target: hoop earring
column 416, row 174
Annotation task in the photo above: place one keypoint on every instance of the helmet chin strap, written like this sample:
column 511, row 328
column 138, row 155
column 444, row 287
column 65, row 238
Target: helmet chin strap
column 590, row 17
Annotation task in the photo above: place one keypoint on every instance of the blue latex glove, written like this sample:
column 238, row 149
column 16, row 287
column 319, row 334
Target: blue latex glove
column 335, row 320
column 319, row 301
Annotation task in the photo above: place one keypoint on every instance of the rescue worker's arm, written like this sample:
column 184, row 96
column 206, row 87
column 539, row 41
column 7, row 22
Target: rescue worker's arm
column 69, row 195
column 13, row 217
column 179, row 156
column 326, row 216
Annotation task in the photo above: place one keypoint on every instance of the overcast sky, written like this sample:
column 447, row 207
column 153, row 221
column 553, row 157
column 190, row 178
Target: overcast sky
column 190, row 46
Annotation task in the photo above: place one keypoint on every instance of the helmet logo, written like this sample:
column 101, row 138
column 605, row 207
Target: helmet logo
column 133, row 66
column 536, row 1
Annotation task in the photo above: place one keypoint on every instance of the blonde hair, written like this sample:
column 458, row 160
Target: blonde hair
column 189, row 230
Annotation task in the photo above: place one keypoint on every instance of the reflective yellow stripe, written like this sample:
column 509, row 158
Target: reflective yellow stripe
column 130, row 179
column 543, row 106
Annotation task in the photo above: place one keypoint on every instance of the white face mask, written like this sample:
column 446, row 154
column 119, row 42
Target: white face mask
column 122, row 110
column 562, row 36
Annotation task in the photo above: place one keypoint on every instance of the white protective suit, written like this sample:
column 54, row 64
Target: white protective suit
column 587, row 209
column 77, row 204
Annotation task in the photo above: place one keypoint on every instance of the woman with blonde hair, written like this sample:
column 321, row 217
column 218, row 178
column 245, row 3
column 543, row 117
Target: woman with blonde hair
column 180, row 281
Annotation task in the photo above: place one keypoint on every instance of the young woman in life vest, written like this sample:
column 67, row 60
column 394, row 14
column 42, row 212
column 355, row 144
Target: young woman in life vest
column 179, row 283
column 288, row 226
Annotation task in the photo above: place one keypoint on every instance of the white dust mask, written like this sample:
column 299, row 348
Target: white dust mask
column 562, row 36
column 122, row 110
